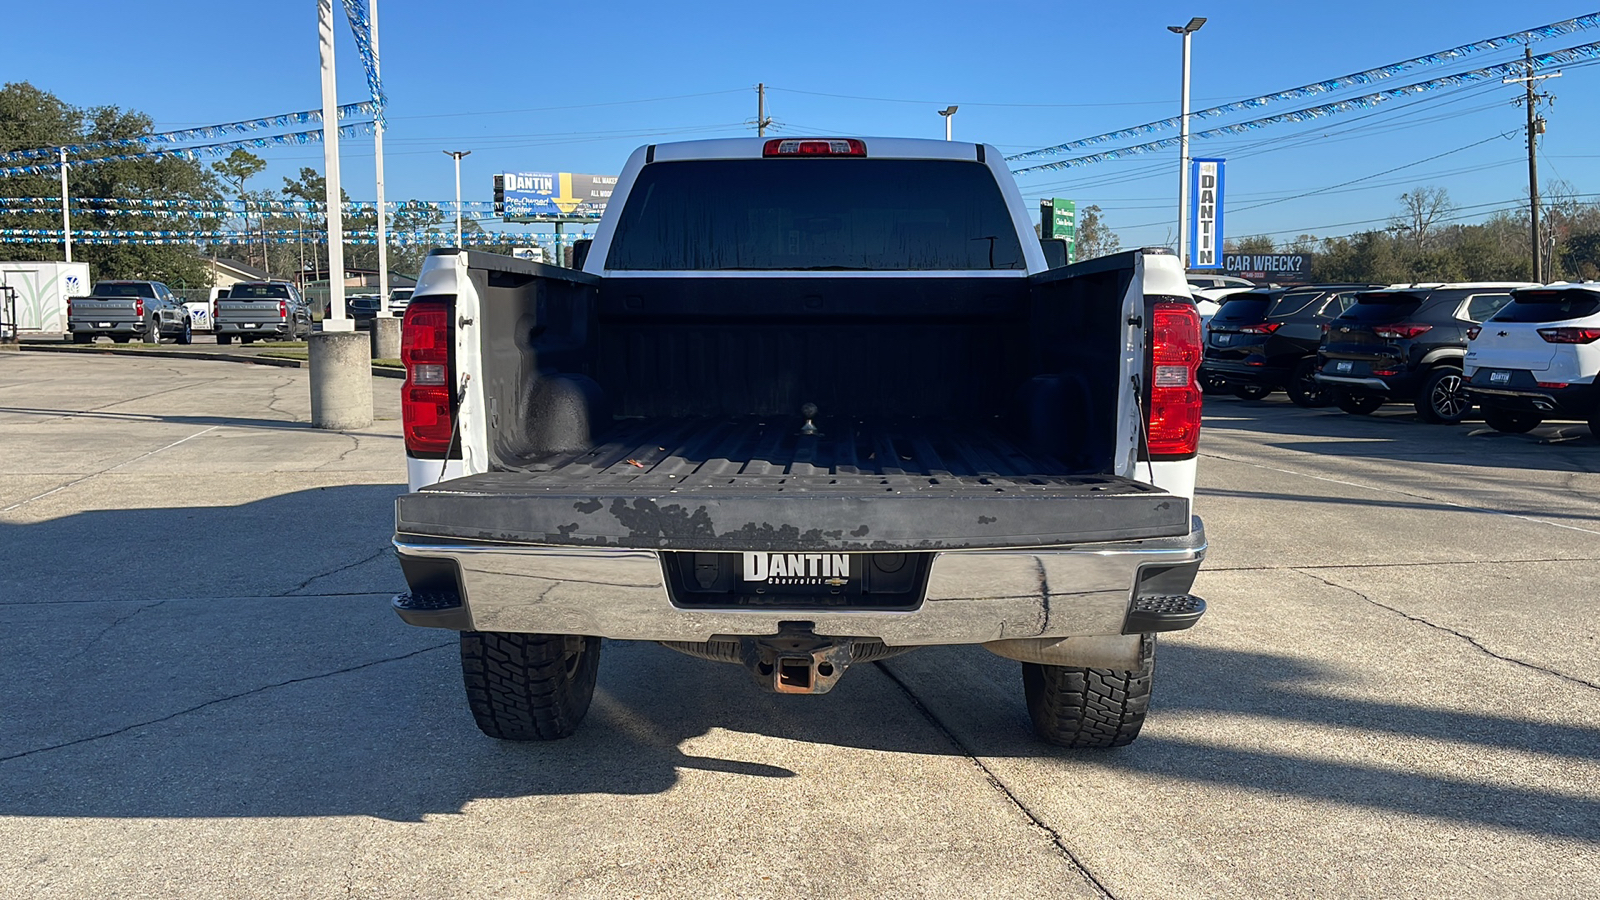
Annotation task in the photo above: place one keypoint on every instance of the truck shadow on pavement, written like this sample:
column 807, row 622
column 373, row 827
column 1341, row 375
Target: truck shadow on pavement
column 288, row 692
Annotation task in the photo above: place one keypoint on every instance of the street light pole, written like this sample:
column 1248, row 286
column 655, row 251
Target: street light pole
column 949, row 113
column 336, row 319
column 458, row 154
column 1183, row 142
column 66, row 217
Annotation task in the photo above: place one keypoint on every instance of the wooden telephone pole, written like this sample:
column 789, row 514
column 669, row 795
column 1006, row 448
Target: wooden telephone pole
column 761, row 110
column 1536, row 127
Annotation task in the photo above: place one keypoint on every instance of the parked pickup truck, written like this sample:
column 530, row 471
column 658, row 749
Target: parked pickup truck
column 124, row 310
column 263, row 310
column 809, row 404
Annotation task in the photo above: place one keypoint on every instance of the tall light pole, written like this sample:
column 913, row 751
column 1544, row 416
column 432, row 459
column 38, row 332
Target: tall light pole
column 66, row 217
column 1183, row 142
column 336, row 319
column 948, row 112
column 458, row 154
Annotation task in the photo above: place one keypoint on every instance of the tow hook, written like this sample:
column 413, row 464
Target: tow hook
column 796, row 661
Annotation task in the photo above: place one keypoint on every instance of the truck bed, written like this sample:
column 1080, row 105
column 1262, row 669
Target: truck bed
column 756, row 483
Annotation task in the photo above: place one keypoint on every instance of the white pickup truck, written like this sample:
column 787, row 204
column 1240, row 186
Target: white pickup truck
column 809, row 403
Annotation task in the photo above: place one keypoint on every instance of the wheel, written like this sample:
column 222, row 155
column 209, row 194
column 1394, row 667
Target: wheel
column 120, row 338
column 1086, row 708
column 247, row 339
column 152, row 332
column 82, row 338
column 224, row 339
column 528, row 687
column 1441, row 399
column 186, row 336
column 1303, row 388
column 1251, row 391
column 1511, row 422
column 1362, row 404
column 1594, row 423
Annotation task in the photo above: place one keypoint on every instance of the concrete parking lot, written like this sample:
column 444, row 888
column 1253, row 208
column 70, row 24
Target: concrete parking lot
column 1396, row 691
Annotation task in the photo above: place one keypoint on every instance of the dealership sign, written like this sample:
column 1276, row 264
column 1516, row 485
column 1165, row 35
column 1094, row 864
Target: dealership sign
column 524, row 195
column 1283, row 268
column 1205, row 214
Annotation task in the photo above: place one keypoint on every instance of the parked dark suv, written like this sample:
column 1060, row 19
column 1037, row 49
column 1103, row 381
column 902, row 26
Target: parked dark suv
column 1266, row 340
column 1407, row 343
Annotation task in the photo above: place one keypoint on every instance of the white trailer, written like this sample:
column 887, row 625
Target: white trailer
column 42, row 289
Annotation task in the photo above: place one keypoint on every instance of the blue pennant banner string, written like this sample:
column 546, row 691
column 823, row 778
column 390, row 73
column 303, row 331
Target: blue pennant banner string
column 1570, row 26
column 208, row 132
column 361, row 27
column 202, row 150
column 361, row 238
column 54, row 204
column 1585, row 51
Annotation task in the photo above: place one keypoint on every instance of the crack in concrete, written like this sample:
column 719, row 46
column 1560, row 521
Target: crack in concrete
column 77, row 481
column 1469, row 639
column 994, row 781
column 291, row 591
column 257, row 690
column 274, row 400
column 107, row 630
column 342, row 456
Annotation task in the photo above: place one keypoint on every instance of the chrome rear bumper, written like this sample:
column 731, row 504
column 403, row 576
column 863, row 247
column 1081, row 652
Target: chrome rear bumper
column 972, row 597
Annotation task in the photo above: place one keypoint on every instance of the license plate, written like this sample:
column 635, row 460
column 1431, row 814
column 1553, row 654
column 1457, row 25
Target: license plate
column 250, row 324
column 1342, row 365
column 799, row 572
column 1221, row 340
column 1499, row 377
column 102, row 324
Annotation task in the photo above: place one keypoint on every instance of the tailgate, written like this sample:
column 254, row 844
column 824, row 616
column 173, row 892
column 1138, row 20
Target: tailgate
column 103, row 313
column 790, row 513
column 237, row 312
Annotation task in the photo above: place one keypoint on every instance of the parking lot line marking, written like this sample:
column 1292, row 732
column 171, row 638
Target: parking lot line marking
column 57, row 490
column 1384, row 490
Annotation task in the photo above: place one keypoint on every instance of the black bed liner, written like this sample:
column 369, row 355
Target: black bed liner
column 760, row 484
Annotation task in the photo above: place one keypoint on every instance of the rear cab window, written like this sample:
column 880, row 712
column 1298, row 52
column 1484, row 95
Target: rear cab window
column 124, row 290
column 815, row 215
column 1549, row 306
column 259, row 292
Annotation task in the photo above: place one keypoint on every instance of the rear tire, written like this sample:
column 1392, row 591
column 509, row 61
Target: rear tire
column 1084, row 708
column 224, row 339
column 1357, row 404
column 1509, row 422
column 247, row 339
column 152, row 332
column 120, row 339
column 1303, row 388
column 528, row 687
column 186, row 336
column 1251, row 391
column 1441, row 400
column 83, row 338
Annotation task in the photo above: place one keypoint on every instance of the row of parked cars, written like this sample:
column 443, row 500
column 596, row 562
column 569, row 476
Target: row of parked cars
column 1521, row 352
column 248, row 311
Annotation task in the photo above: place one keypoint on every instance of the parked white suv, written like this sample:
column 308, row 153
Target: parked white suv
column 1537, row 358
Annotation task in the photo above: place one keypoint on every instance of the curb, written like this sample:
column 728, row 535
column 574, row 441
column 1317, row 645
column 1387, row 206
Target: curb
column 379, row 371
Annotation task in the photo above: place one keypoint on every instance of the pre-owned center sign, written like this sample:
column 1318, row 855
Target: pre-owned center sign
column 1283, row 268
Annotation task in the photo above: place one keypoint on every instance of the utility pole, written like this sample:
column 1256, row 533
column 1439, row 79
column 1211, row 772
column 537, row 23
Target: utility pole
column 761, row 110
column 1183, row 142
column 336, row 319
column 66, row 217
column 1536, row 127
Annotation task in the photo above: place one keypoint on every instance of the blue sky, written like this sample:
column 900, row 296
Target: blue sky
column 549, row 87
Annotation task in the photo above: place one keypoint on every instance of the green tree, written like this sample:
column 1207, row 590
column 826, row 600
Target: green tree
column 1094, row 238
column 1255, row 244
column 33, row 118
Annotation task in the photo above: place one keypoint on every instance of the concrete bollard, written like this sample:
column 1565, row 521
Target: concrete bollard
column 385, row 338
column 341, row 380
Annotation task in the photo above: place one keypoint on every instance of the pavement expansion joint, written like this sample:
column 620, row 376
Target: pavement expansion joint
column 242, row 694
column 78, row 481
column 1469, row 639
column 291, row 591
column 994, row 781
column 1405, row 565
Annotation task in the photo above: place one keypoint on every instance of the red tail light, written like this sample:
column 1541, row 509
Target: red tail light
column 283, row 309
column 1570, row 335
column 216, row 310
column 426, row 414
column 1174, row 390
column 1404, row 331
column 138, row 307
column 814, row 147
column 1552, row 384
column 1473, row 332
column 1263, row 328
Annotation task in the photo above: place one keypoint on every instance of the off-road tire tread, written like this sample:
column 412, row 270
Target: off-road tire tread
column 1089, row 709
column 518, row 687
